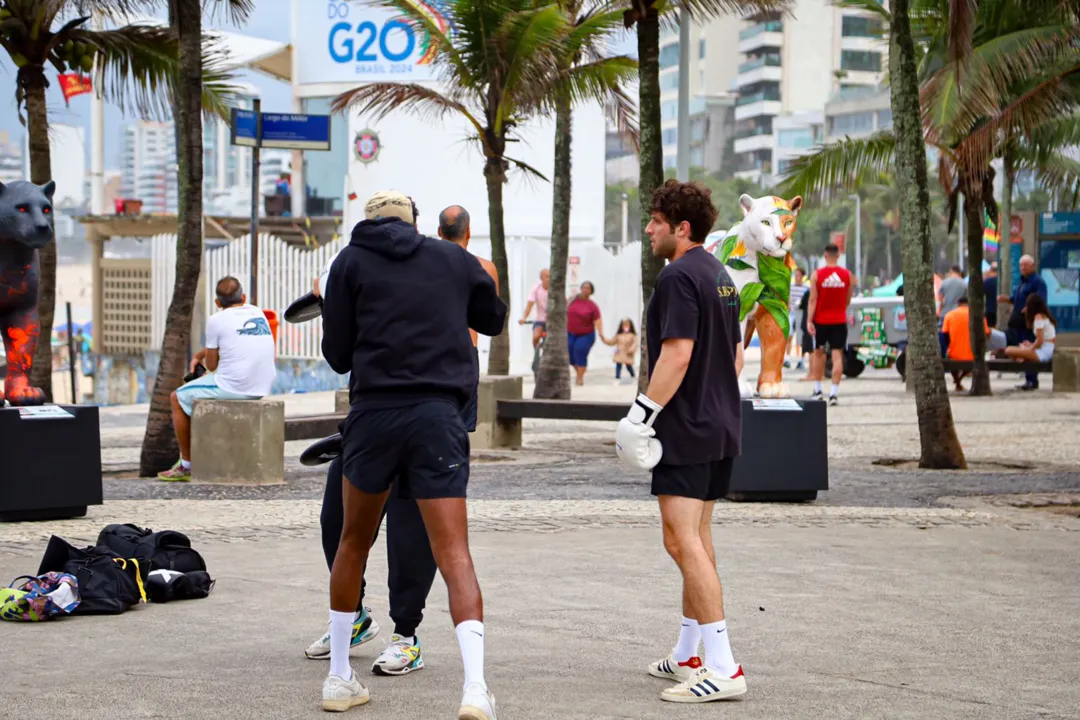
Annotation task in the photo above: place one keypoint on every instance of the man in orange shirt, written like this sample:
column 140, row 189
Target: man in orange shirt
column 956, row 332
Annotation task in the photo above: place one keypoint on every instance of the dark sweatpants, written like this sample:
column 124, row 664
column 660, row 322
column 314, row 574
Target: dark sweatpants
column 412, row 566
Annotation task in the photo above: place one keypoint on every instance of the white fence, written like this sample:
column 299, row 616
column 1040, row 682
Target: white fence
column 286, row 272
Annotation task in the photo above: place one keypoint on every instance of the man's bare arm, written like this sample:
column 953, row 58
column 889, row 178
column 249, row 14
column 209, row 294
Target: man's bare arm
column 670, row 369
column 740, row 357
column 212, row 360
column 812, row 305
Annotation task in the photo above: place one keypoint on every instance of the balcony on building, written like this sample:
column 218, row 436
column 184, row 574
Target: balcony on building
column 764, row 67
column 754, row 166
column 753, row 134
column 761, row 36
column 757, row 100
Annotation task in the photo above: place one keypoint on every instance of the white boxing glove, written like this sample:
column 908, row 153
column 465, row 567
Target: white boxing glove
column 635, row 440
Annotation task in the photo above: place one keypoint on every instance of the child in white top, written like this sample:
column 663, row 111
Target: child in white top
column 1042, row 322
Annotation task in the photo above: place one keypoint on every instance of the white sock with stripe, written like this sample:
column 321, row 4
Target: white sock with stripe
column 689, row 639
column 718, row 655
column 470, row 636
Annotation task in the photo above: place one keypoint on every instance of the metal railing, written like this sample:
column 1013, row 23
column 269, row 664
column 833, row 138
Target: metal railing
column 754, row 30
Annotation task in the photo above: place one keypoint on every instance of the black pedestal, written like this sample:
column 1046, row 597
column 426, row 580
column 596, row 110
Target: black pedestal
column 50, row 466
column 785, row 453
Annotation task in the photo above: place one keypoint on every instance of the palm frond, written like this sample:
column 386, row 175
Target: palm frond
column 238, row 11
column 529, row 170
column 961, row 31
column 705, row 9
column 1055, row 172
column 995, row 69
column 420, row 16
column 845, row 164
column 381, row 99
column 112, row 8
column 1050, row 100
column 135, row 65
column 220, row 94
column 528, row 41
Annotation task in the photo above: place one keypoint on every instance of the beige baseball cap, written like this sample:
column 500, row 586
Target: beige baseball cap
column 389, row 203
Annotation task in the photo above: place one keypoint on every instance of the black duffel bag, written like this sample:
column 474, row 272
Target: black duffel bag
column 162, row 550
column 108, row 584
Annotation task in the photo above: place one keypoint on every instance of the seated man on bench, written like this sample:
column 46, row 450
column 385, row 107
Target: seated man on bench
column 956, row 338
column 239, row 356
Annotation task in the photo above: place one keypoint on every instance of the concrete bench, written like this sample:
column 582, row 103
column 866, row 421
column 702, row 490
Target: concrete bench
column 1009, row 366
column 238, row 442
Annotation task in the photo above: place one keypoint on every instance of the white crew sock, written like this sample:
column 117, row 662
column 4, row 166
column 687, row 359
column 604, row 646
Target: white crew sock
column 186, row 464
column 340, row 639
column 835, row 390
column 470, row 637
column 411, row 639
column 689, row 639
column 718, row 648
column 817, row 386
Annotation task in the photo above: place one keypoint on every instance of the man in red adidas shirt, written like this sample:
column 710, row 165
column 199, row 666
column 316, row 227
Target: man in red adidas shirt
column 830, row 295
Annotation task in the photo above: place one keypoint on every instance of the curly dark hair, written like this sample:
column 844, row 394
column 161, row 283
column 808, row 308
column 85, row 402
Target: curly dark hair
column 690, row 202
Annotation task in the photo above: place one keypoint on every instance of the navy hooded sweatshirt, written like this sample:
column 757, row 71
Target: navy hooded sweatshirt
column 397, row 311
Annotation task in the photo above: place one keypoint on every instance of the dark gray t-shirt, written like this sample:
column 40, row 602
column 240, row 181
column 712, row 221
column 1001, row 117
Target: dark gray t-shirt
column 952, row 289
column 695, row 299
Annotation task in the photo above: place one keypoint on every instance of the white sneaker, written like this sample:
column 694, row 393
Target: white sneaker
column 399, row 658
column 671, row 670
column 477, row 703
column 339, row 695
column 706, row 686
column 362, row 631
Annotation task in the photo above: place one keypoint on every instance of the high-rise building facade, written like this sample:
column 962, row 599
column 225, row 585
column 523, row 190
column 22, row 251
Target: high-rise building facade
column 12, row 166
column 795, row 64
column 148, row 163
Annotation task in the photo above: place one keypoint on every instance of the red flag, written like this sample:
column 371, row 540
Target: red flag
column 72, row 84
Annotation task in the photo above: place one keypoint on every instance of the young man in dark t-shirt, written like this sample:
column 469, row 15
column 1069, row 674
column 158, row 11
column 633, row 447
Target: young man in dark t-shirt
column 695, row 354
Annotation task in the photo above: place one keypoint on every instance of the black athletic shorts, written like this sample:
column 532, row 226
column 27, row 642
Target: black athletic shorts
column 425, row 447
column 834, row 337
column 704, row 481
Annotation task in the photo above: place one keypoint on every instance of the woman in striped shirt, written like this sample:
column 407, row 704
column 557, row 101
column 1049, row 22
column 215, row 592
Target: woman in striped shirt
column 798, row 289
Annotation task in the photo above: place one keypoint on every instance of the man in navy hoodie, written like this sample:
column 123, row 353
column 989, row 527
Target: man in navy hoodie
column 396, row 314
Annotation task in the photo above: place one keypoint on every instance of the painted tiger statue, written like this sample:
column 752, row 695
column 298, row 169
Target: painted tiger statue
column 757, row 254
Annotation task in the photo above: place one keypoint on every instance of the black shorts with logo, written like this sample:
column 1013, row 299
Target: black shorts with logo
column 703, row 481
column 424, row 447
column 834, row 337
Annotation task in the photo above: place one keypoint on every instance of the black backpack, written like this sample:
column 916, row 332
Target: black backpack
column 162, row 550
column 108, row 584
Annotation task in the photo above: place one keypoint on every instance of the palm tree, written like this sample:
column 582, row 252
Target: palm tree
column 645, row 16
column 937, row 432
column 499, row 67
column 130, row 61
column 588, row 74
column 188, row 87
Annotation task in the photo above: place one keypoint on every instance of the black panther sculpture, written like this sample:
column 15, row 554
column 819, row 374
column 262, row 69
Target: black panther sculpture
column 26, row 226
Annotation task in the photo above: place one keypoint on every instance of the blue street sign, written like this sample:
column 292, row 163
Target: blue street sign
column 1059, row 224
column 288, row 131
column 245, row 128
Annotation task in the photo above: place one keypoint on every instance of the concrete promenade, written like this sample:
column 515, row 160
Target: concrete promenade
column 900, row 593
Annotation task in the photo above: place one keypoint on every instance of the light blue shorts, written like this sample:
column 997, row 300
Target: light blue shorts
column 204, row 388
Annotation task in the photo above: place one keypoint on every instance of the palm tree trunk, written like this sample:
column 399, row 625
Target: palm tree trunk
column 33, row 81
column 651, row 159
column 495, row 174
column 937, row 433
column 159, row 449
column 974, row 217
column 1005, row 230
column 553, row 379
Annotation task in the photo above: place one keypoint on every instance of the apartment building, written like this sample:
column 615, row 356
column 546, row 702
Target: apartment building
column 714, row 58
column 793, row 65
column 148, row 164
column 12, row 165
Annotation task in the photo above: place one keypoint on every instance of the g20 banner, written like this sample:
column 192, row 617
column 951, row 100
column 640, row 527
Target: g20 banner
column 352, row 42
